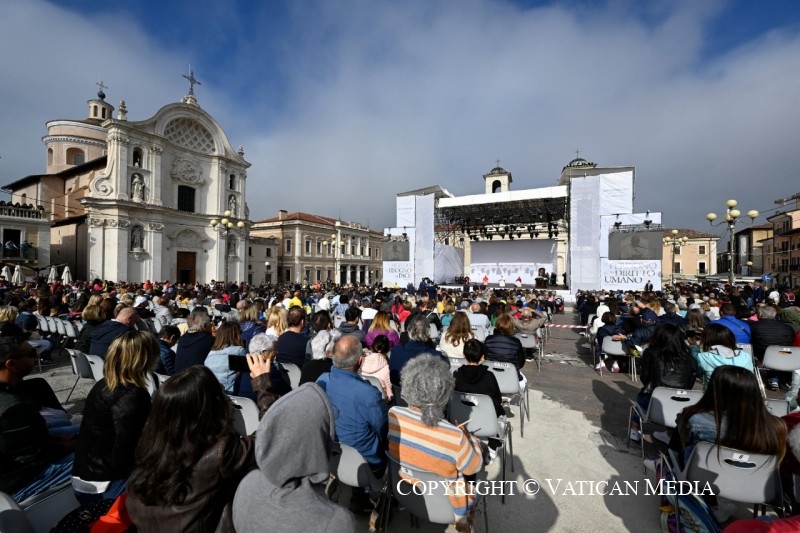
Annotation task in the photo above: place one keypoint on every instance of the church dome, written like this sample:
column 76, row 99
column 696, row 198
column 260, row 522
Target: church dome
column 497, row 171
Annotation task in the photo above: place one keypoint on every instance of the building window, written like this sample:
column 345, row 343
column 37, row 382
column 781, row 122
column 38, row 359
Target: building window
column 137, row 157
column 701, row 250
column 288, row 275
column 319, row 248
column 269, row 252
column 676, row 267
column 249, row 251
column 232, row 182
column 308, row 274
column 319, row 274
column 75, row 156
column 701, row 267
column 186, row 198
column 677, row 250
column 308, row 246
column 49, row 156
column 288, row 246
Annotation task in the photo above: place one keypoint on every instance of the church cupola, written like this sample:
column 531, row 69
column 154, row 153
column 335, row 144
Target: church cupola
column 99, row 109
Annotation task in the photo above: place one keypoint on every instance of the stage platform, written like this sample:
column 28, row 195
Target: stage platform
column 565, row 294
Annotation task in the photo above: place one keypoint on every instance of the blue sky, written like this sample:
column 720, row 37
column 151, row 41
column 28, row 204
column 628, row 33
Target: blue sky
column 341, row 104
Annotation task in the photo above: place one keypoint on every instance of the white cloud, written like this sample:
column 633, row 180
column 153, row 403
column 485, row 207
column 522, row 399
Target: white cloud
column 356, row 103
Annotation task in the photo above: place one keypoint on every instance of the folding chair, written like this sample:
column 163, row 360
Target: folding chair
column 665, row 405
column 456, row 363
column 12, row 518
column 616, row 349
column 45, row 510
column 293, row 371
column 72, row 333
column 528, row 342
column 245, row 415
column 736, row 475
column 80, row 367
column 96, row 365
column 782, row 358
column 375, row 382
column 477, row 410
column 352, row 469
column 479, row 332
column 433, row 332
column 508, row 381
column 777, row 407
column 433, row 505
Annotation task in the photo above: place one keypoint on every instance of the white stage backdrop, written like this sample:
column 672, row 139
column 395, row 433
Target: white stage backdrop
column 629, row 275
column 448, row 263
column 511, row 259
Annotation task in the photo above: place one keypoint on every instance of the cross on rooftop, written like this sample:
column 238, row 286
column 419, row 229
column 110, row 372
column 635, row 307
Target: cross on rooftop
column 192, row 81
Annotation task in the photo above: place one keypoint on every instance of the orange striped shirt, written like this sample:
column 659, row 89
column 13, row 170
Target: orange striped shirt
column 443, row 449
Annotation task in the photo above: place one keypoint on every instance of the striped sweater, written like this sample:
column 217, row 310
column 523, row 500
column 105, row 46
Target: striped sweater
column 444, row 450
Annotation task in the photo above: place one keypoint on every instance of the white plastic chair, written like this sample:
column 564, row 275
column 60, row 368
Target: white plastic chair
column 528, row 342
column 736, row 475
column 479, row 332
column 508, row 381
column 12, row 518
column 665, row 405
column 293, row 371
column 616, row 349
column 96, row 364
column 352, row 469
column 777, row 407
column 245, row 416
column 375, row 382
column 45, row 510
column 433, row 505
column 479, row 413
column 80, row 367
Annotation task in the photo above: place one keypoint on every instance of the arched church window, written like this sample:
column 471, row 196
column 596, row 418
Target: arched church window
column 496, row 186
column 75, row 156
column 49, row 156
column 137, row 157
column 232, row 182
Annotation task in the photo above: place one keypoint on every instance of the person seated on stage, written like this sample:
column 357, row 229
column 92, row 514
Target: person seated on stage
column 31, row 460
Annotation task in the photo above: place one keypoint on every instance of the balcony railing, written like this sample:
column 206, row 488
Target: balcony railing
column 21, row 212
column 20, row 254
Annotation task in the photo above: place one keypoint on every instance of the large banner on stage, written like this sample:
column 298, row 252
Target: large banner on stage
column 399, row 273
column 629, row 275
column 638, row 245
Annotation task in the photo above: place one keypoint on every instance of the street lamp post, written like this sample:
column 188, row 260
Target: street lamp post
column 675, row 243
column 731, row 215
column 335, row 242
column 225, row 227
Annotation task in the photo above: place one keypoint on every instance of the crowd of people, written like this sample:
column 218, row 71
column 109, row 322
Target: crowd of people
column 717, row 336
column 157, row 434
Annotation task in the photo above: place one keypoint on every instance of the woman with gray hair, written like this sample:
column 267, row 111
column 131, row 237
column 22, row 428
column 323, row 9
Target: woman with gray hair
column 419, row 436
column 322, row 348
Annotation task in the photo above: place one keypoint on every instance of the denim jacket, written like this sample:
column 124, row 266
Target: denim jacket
column 702, row 427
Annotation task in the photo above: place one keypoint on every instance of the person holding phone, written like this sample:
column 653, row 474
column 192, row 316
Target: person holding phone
column 190, row 459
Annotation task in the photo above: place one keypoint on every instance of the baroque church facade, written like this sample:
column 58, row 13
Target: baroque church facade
column 135, row 200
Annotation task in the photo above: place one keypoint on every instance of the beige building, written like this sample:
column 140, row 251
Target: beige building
column 318, row 249
column 782, row 252
column 691, row 253
column 134, row 200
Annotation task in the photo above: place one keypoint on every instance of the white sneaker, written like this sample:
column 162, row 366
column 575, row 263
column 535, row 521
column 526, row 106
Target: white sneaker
column 661, row 436
column 600, row 366
column 615, row 368
column 636, row 435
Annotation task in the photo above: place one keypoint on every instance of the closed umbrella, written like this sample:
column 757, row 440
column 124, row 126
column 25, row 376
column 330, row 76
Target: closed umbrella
column 6, row 273
column 66, row 276
column 17, row 279
column 53, row 275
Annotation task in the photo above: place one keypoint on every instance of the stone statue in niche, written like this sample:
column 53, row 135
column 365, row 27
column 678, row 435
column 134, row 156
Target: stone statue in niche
column 232, row 205
column 137, row 188
column 137, row 238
